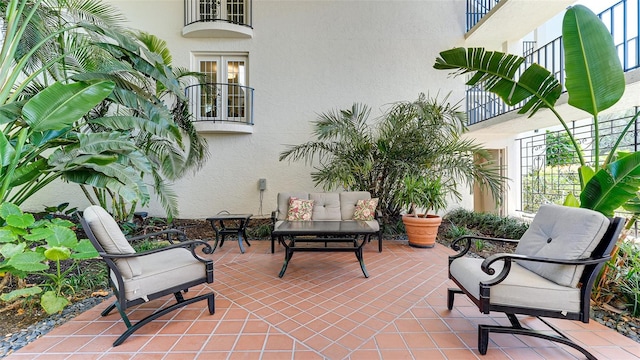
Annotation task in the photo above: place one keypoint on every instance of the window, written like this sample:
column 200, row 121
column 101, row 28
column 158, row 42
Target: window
column 209, row 10
column 235, row 11
column 230, row 10
column 225, row 95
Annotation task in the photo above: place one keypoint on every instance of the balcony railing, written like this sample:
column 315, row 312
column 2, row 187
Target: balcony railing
column 622, row 21
column 476, row 9
column 217, row 102
column 237, row 12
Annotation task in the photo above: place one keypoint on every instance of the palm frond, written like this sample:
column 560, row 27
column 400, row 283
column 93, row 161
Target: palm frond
column 497, row 73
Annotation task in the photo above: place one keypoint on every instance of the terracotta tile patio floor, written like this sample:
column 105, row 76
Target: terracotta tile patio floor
column 323, row 308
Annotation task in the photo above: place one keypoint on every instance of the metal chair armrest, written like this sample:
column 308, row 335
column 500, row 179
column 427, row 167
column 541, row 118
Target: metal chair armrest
column 191, row 245
column 180, row 235
column 486, row 264
column 463, row 243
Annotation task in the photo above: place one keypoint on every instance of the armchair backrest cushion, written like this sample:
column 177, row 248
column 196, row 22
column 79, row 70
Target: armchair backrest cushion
column 561, row 232
column 112, row 240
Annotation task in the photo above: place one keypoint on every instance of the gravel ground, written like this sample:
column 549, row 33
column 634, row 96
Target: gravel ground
column 15, row 341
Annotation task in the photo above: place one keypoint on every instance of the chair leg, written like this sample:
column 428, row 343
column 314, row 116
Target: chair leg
column 110, row 308
column 211, row 302
column 517, row 329
column 450, row 293
column 161, row 312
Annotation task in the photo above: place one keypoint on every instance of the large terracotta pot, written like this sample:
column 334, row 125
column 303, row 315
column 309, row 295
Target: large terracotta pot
column 422, row 231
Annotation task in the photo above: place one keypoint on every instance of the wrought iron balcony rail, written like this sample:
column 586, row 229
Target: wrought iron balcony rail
column 622, row 21
column 220, row 102
column 476, row 9
column 238, row 12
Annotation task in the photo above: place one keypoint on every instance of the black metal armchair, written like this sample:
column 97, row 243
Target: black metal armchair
column 550, row 274
column 140, row 277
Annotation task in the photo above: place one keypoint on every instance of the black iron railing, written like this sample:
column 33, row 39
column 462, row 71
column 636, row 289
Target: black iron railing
column 549, row 164
column 622, row 21
column 219, row 102
column 238, row 12
column 476, row 9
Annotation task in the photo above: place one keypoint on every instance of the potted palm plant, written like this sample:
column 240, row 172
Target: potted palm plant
column 426, row 193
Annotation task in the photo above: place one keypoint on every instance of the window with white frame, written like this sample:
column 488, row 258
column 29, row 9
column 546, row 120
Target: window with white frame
column 225, row 96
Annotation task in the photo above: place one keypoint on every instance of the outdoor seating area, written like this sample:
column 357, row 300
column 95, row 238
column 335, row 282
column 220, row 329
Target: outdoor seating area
column 323, row 309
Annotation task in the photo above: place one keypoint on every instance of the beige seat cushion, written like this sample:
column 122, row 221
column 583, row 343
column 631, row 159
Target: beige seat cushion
column 112, row 240
column 164, row 270
column 521, row 288
column 565, row 233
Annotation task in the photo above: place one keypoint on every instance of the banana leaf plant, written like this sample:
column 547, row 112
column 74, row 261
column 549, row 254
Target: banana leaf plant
column 594, row 83
column 84, row 100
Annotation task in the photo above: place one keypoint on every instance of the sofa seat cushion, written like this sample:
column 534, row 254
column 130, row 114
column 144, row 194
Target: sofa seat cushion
column 112, row 240
column 326, row 206
column 163, row 270
column 522, row 287
column 562, row 232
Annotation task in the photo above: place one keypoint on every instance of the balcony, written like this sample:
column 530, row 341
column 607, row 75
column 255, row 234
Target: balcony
column 622, row 21
column 221, row 108
column 218, row 19
column 492, row 23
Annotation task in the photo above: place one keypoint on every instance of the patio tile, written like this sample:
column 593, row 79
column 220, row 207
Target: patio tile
column 322, row 309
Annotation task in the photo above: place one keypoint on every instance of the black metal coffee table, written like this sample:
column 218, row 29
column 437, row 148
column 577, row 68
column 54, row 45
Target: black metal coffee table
column 292, row 233
column 230, row 224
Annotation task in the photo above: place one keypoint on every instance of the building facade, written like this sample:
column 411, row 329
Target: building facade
column 274, row 65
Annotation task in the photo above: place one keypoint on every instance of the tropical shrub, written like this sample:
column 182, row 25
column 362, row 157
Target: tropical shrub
column 417, row 140
column 83, row 100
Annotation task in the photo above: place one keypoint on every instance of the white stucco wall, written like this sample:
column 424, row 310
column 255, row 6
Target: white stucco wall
column 306, row 57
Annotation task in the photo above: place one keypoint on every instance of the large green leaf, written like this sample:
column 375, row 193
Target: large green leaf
column 21, row 221
column 594, row 76
column 612, row 187
column 7, row 152
column 10, row 112
column 8, row 208
column 21, row 293
column 59, row 105
column 163, row 129
column 7, row 236
column 93, row 143
column 497, row 72
column 52, row 303
column 84, row 250
column 57, row 253
column 11, row 250
column 28, row 261
column 28, row 172
column 62, row 237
